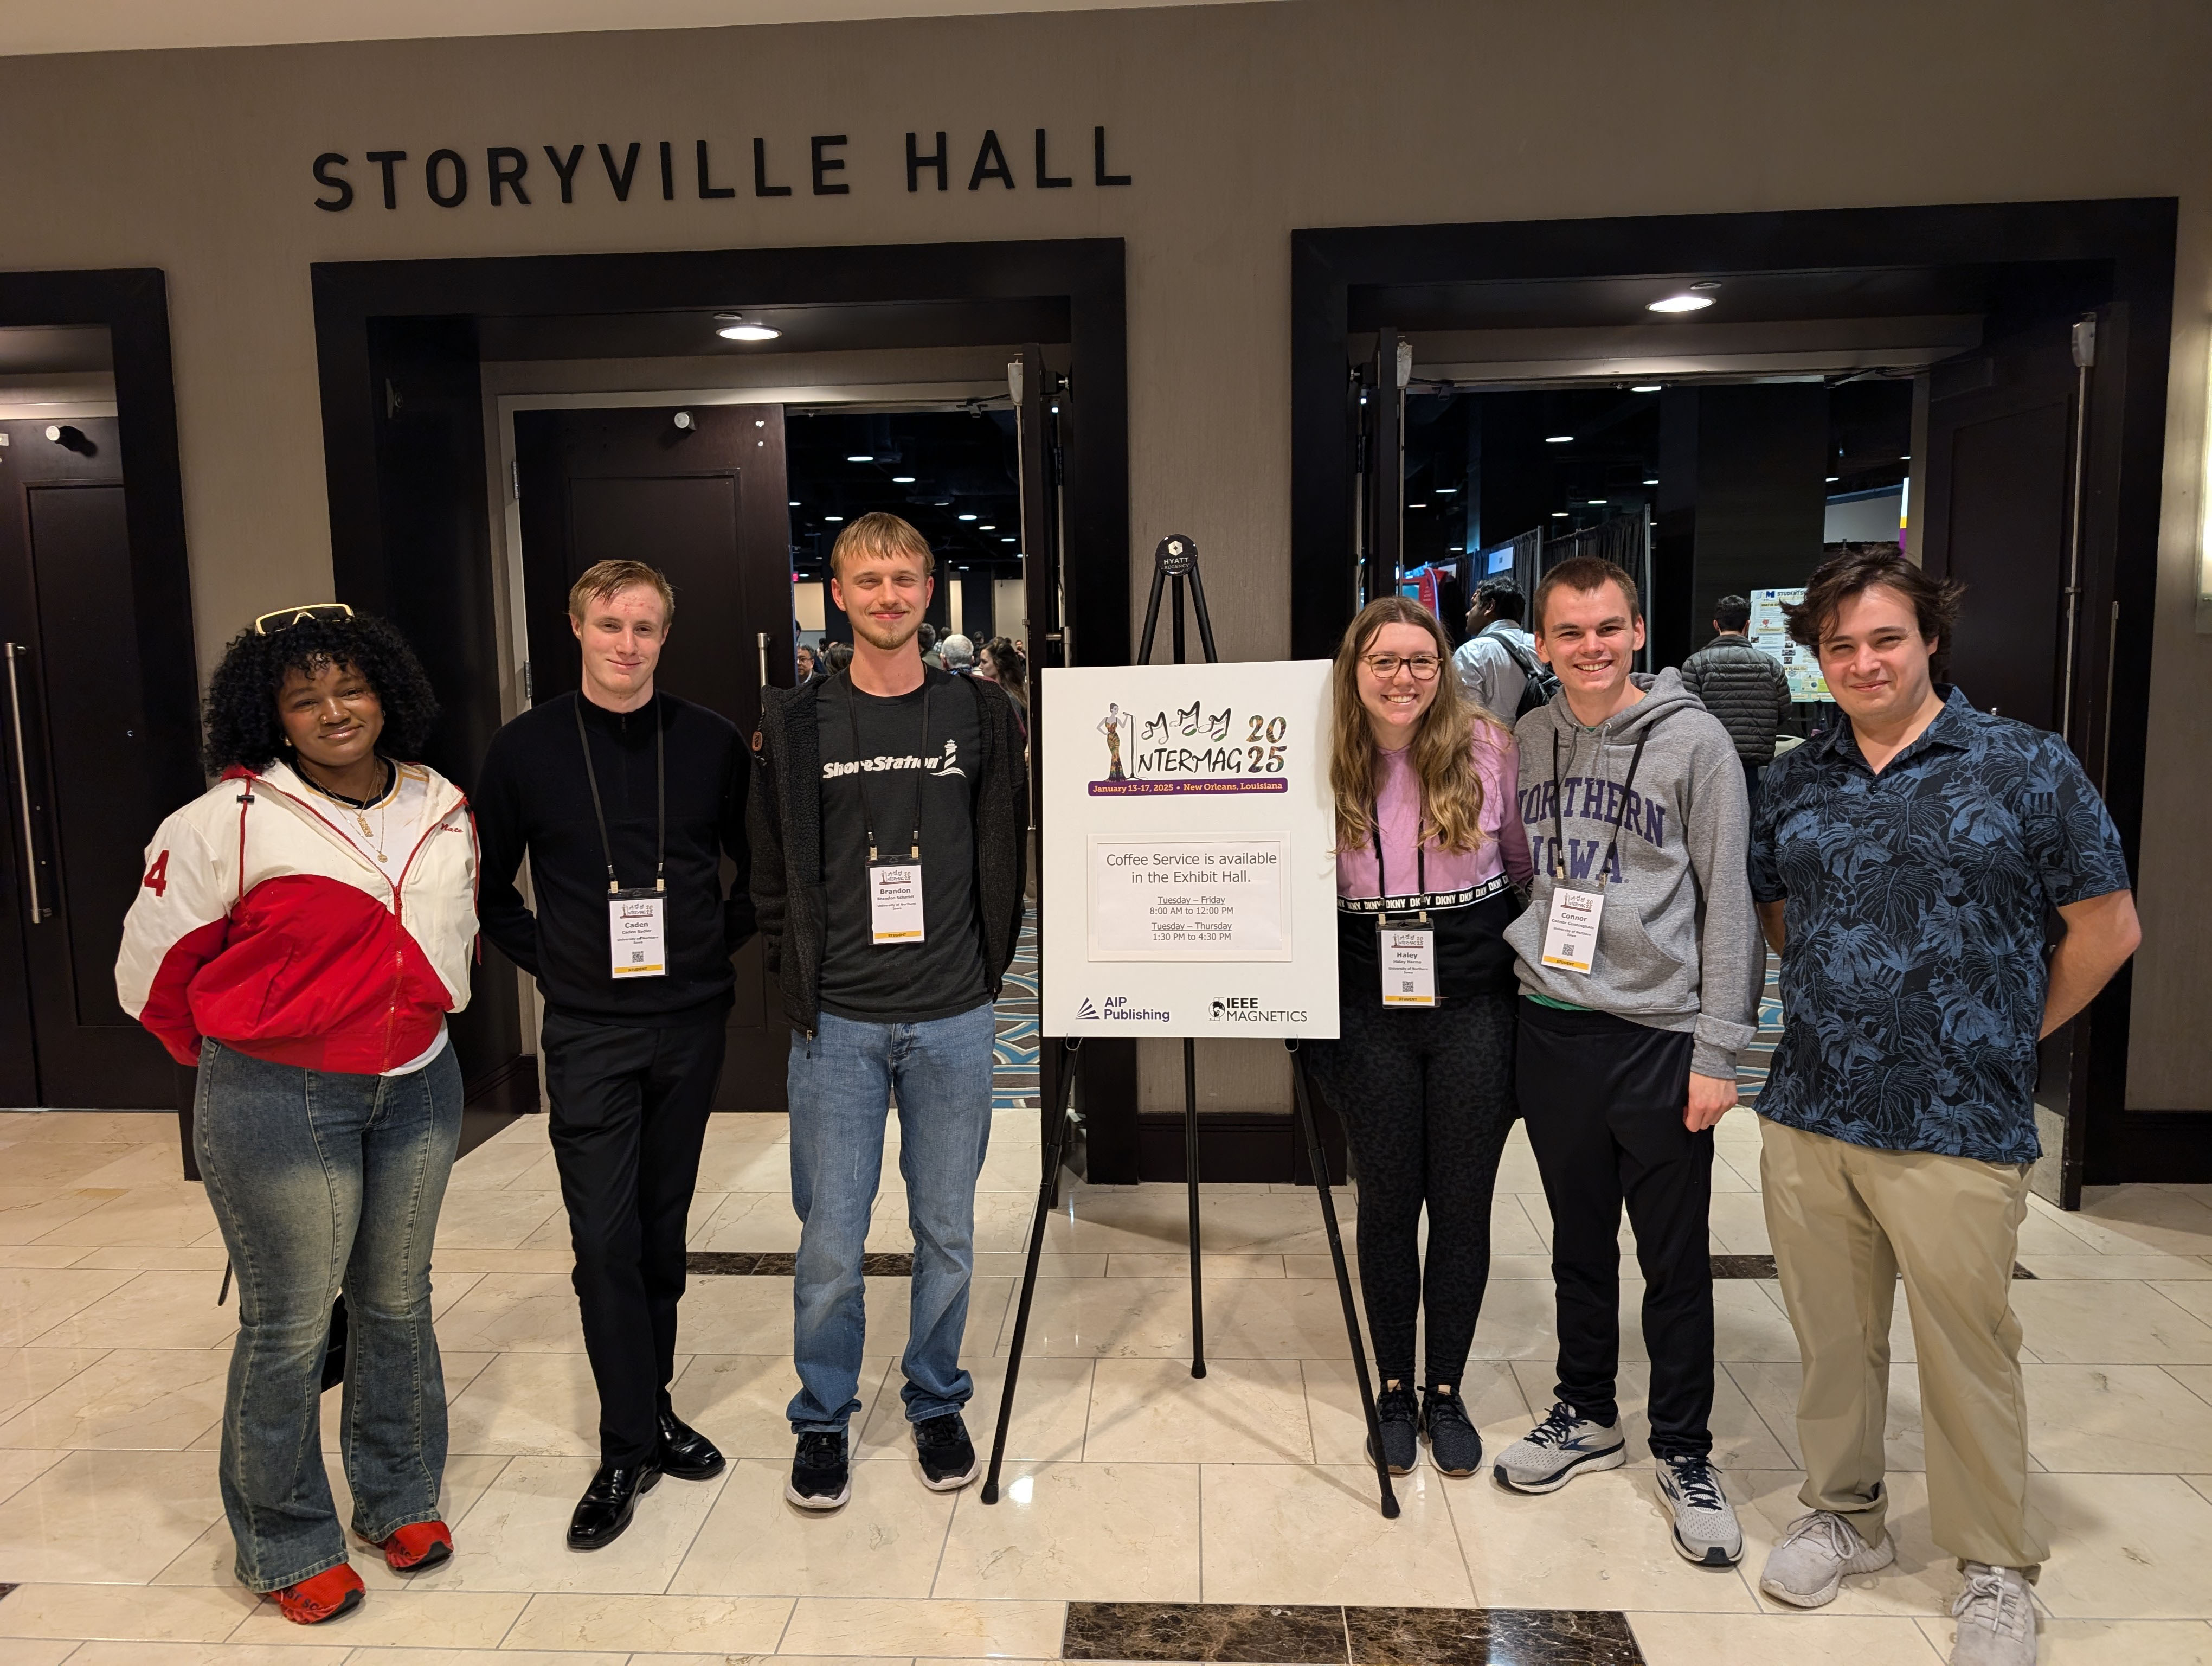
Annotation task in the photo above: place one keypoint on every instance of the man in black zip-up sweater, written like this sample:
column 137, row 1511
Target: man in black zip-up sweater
column 634, row 1031
column 889, row 820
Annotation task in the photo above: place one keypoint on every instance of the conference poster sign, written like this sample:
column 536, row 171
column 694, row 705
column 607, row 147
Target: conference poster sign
column 1770, row 629
column 1189, row 870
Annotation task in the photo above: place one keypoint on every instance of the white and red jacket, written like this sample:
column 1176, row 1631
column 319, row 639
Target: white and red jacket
column 261, row 924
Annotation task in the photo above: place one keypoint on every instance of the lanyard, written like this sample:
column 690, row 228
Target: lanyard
column 867, row 807
column 1420, row 855
column 1559, row 827
column 660, row 787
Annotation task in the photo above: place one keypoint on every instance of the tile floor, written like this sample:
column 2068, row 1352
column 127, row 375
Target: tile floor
column 1130, row 1482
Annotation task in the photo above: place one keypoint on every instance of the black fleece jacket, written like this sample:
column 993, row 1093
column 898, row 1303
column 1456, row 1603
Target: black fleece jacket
column 533, row 798
column 784, row 821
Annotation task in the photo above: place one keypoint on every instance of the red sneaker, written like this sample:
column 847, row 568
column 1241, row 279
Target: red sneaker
column 417, row 1546
column 330, row 1593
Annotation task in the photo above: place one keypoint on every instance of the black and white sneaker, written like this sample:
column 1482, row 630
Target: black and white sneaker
column 1398, row 1415
column 948, row 1456
column 1455, row 1447
column 821, row 1472
column 1564, row 1445
column 1705, row 1530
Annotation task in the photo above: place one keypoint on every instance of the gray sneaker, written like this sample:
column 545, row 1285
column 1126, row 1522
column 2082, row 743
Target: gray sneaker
column 1705, row 1530
column 1807, row 1566
column 1996, row 1619
column 1555, row 1452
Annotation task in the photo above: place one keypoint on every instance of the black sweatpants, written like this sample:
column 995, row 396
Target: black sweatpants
column 630, row 1110
column 1425, row 1096
column 1604, row 1099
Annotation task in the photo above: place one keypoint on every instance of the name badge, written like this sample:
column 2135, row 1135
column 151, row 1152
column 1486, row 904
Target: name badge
column 894, row 901
column 636, row 942
column 1408, row 954
column 1571, row 929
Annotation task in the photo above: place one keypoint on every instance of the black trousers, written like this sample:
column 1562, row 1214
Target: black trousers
column 628, row 1116
column 1425, row 1095
column 1603, row 1099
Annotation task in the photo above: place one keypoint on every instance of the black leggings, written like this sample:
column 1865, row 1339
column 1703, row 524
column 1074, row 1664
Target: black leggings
column 1426, row 1098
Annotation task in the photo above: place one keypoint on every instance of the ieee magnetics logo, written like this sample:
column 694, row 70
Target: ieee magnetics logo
column 1222, row 1009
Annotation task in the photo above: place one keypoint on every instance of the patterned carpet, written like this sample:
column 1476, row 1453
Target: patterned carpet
column 1014, row 1081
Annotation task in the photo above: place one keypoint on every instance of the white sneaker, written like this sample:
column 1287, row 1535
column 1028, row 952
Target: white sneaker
column 1557, row 1450
column 1996, row 1619
column 1705, row 1530
column 1807, row 1566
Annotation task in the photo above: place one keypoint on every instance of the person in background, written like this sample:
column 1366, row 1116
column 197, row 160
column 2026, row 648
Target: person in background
column 959, row 654
column 266, row 945
column 626, row 799
column 1429, row 846
column 1498, row 661
column 806, row 661
column 930, row 655
column 1640, row 964
column 1742, row 685
column 835, row 657
column 1905, row 862
column 889, row 816
column 1003, row 662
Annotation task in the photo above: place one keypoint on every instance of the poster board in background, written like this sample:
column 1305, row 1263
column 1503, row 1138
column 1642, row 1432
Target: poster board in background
column 1770, row 630
column 1188, row 873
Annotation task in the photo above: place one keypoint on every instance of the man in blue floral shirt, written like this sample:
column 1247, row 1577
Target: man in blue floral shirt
column 1906, row 863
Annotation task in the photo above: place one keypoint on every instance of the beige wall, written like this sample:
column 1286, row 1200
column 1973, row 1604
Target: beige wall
column 1239, row 123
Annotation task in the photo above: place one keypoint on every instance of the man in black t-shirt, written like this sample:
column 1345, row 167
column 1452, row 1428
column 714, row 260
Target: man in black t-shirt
column 888, row 816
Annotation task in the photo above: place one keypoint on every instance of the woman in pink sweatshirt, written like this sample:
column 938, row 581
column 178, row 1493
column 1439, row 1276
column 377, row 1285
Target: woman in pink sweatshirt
column 1429, row 852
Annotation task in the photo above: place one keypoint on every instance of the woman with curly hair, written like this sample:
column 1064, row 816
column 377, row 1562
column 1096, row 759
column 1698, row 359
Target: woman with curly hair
column 1429, row 845
column 301, row 933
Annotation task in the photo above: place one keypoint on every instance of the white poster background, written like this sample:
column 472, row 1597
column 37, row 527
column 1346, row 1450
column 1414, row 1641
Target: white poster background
column 1169, row 763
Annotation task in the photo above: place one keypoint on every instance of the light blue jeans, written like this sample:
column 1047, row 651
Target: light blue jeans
column 841, row 1084
column 322, row 1181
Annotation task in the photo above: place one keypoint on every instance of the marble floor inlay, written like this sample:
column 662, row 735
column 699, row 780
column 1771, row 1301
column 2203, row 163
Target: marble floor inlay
column 1145, row 1515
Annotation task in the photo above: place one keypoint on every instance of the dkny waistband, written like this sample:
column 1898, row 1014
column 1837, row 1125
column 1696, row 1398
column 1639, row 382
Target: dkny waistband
column 1433, row 901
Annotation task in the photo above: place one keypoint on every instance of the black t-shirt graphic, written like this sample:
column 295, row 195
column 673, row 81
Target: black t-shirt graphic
column 943, row 974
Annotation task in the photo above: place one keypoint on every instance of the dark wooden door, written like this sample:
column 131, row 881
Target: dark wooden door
column 76, row 735
column 707, row 504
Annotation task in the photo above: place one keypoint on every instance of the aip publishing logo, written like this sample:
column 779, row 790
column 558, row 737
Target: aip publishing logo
column 1119, row 1010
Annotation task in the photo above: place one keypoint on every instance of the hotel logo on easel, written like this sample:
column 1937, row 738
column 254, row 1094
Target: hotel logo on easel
column 1189, row 750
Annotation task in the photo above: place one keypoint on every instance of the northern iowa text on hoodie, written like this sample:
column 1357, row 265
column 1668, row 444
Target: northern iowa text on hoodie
column 1679, row 947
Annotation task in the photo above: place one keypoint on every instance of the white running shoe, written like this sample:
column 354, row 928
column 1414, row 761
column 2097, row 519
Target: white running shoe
column 1561, row 1447
column 1705, row 1530
column 1807, row 1566
column 1996, row 1619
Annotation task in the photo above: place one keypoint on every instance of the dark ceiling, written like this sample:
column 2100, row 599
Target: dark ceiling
column 962, row 464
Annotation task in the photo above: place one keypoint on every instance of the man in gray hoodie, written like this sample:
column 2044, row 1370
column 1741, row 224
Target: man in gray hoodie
column 1640, row 966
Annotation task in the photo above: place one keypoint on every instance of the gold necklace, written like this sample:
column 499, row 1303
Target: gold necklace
column 383, row 807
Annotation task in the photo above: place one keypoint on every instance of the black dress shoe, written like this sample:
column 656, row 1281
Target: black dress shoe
column 609, row 1502
column 684, row 1452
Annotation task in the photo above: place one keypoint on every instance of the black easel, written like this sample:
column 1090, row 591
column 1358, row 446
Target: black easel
column 1176, row 559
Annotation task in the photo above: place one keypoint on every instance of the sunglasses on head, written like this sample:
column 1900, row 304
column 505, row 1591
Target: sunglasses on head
column 271, row 625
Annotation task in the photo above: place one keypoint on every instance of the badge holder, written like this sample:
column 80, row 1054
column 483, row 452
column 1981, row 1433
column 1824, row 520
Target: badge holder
column 1176, row 559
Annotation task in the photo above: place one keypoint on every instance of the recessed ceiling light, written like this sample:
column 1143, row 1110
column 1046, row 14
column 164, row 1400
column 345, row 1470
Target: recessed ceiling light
column 1651, row 482
column 1906, row 457
column 1446, row 491
column 902, row 480
column 1833, row 478
column 1595, row 502
column 1417, row 505
column 833, row 517
column 968, row 517
column 1005, row 540
column 1645, row 387
column 861, row 457
column 734, row 328
column 1559, row 439
column 794, row 502
column 987, row 527
column 1559, row 514
column 1682, row 304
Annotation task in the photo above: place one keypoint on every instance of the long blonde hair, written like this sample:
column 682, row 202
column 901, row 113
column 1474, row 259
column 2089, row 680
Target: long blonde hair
column 1442, row 748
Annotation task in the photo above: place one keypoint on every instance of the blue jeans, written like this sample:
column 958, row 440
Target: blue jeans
column 322, row 1181
column 840, row 1083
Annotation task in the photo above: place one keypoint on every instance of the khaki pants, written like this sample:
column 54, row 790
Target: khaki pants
column 1845, row 1220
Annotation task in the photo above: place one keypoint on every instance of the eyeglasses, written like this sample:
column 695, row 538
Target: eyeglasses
column 270, row 624
column 1385, row 665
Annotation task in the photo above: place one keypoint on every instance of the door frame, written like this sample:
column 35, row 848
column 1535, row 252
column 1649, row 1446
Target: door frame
column 133, row 303
column 2129, row 239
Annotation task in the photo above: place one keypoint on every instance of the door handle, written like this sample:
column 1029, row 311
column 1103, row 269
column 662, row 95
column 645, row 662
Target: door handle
column 24, row 779
column 762, row 637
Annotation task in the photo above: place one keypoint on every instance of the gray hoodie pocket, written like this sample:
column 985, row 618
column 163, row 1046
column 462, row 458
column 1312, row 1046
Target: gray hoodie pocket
column 1637, row 975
